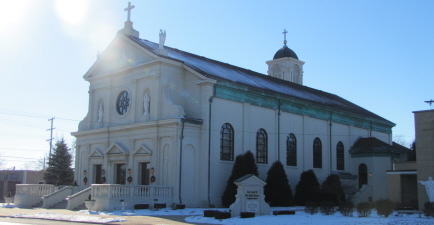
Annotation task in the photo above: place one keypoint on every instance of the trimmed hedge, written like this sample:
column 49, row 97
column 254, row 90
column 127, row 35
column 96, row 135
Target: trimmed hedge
column 327, row 207
column 159, row 205
column 364, row 209
column 283, row 212
column 247, row 214
column 346, row 208
column 311, row 207
column 429, row 209
column 222, row 215
column 141, row 206
column 209, row 213
column 385, row 207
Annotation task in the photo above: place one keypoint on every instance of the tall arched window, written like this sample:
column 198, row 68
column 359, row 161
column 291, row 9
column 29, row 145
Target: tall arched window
column 227, row 142
column 340, row 157
column 317, row 153
column 291, row 150
column 261, row 146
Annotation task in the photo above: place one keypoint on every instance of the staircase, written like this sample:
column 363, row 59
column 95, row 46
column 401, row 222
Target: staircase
column 80, row 207
column 37, row 205
column 60, row 205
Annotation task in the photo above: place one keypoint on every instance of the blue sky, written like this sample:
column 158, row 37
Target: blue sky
column 376, row 54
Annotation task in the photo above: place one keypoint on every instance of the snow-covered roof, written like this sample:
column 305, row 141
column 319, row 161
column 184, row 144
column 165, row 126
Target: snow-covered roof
column 222, row 71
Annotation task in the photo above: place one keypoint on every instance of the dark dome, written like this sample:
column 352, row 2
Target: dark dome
column 285, row 52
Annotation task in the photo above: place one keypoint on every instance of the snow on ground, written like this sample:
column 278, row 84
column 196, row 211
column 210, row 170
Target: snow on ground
column 195, row 215
column 64, row 217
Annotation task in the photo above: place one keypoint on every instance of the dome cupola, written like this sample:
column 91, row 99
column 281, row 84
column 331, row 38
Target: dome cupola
column 286, row 65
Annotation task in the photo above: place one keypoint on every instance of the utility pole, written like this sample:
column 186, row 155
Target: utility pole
column 51, row 138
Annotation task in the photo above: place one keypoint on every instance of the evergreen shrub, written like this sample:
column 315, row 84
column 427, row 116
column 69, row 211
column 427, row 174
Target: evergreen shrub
column 385, row 207
column 277, row 191
column 327, row 207
column 364, row 209
column 283, row 212
column 244, row 164
column 429, row 209
column 307, row 189
column 219, row 215
column 209, row 213
column 247, row 214
column 332, row 189
column 346, row 208
column 311, row 207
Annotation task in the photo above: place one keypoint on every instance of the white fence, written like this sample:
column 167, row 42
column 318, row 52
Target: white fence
column 109, row 197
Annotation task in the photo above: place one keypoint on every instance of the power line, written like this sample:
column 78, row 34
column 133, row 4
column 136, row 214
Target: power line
column 21, row 149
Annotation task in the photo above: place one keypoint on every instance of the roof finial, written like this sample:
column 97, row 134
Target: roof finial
column 430, row 102
column 129, row 10
column 284, row 35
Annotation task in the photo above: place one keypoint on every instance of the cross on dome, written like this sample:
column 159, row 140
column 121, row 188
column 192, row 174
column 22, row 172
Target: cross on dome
column 129, row 8
column 284, row 35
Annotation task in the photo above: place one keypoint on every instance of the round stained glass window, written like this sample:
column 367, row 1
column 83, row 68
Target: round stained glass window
column 123, row 103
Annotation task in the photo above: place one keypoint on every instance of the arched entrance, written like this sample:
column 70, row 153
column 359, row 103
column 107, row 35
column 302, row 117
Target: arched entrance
column 363, row 175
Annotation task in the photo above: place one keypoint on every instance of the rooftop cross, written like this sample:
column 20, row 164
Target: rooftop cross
column 284, row 34
column 430, row 102
column 129, row 10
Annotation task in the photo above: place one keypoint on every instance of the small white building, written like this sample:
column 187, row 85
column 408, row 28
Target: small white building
column 161, row 116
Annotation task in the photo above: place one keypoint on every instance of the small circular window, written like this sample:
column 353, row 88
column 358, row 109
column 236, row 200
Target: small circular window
column 123, row 103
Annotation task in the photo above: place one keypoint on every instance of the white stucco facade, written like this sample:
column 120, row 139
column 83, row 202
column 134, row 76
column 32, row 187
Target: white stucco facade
column 171, row 126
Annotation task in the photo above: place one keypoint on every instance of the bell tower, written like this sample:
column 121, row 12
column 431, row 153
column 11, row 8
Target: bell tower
column 285, row 64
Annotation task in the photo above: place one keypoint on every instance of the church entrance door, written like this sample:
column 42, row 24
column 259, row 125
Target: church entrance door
column 144, row 173
column 121, row 173
column 363, row 175
column 98, row 173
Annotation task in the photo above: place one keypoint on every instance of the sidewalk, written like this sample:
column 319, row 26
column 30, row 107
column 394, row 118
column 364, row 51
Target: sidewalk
column 175, row 220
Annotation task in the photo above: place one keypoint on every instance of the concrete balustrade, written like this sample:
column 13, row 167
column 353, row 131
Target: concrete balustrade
column 30, row 194
column 108, row 196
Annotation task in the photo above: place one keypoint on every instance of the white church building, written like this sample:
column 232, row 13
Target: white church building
column 170, row 122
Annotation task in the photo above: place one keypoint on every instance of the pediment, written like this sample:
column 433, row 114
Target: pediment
column 143, row 150
column 96, row 153
column 121, row 54
column 250, row 180
column 117, row 149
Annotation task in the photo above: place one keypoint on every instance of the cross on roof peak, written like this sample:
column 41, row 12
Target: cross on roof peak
column 129, row 8
column 284, row 35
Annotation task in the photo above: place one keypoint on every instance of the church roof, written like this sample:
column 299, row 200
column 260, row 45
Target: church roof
column 222, row 71
column 372, row 145
column 285, row 52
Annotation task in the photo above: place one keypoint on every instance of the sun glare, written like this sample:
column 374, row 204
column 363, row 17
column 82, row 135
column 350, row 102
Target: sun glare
column 11, row 15
column 72, row 11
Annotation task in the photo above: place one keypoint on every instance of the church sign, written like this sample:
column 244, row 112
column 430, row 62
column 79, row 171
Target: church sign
column 250, row 196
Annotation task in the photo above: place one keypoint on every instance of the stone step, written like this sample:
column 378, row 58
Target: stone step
column 60, row 205
column 80, row 207
column 37, row 205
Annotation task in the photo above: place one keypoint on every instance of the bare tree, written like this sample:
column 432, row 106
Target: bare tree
column 400, row 139
column 37, row 164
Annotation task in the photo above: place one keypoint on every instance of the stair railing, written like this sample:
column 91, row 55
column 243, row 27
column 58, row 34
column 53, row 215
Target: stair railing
column 78, row 198
column 56, row 197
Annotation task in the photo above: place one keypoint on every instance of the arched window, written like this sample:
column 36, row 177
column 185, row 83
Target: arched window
column 227, row 142
column 363, row 175
column 261, row 146
column 317, row 153
column 291, row 150
column 340, row 157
